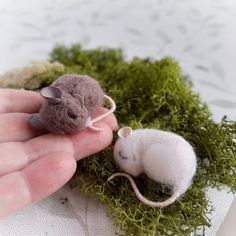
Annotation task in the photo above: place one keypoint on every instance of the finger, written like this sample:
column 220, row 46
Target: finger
column 16, row 155
column 35, row 182
column 16, row 127
column 110, row 120
column 13, row 100
column 90, row 142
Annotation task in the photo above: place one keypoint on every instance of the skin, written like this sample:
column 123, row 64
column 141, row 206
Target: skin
column 34, row 164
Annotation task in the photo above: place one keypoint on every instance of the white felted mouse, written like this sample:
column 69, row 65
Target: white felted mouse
column 163, row 156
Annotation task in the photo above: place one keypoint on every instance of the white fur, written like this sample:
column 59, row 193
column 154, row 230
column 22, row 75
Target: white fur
column 163, row 156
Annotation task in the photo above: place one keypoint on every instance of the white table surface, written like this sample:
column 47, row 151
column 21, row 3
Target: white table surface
column 201, row 35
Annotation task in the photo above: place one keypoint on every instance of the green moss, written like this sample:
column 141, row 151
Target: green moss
column 151, row 93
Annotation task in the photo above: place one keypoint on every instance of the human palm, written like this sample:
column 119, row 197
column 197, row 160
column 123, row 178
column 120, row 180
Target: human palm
column 34, row 164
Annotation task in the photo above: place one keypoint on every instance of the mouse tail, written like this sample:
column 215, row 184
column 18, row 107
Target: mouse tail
column 113, row 107
column 141, row 197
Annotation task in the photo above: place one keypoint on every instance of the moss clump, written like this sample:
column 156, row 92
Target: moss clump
column 151, row 93
column 18, row 78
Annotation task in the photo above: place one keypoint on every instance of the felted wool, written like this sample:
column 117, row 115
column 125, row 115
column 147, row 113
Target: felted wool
column 81, row 98
column 164, row 157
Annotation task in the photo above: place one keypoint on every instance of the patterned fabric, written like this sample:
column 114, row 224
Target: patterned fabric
column 200, row 34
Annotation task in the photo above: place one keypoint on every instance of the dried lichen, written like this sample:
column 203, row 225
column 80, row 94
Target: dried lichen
column 151, row 93
column 16, row 78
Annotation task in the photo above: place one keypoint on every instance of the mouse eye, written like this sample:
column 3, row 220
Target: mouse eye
column 122, row 157
column 72, row 115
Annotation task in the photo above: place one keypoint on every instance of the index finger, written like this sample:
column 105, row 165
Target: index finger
column 13, row 100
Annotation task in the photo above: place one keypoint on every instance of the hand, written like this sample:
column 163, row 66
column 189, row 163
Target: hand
column 34, row 164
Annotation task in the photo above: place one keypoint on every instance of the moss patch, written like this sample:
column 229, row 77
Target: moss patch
column 19, row 78
column 151, row 93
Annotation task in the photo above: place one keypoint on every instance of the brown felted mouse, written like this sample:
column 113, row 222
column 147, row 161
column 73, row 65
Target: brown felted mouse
column 70, row 103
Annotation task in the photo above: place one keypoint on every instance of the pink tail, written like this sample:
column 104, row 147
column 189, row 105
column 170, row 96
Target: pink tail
column 113, row 107
column 141, row 197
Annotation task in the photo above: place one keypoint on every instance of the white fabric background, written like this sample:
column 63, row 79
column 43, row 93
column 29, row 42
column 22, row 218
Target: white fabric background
column 200, row 34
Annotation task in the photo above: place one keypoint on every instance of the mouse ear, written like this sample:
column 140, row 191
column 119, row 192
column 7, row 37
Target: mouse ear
column 124, row 132
column 52, row 94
